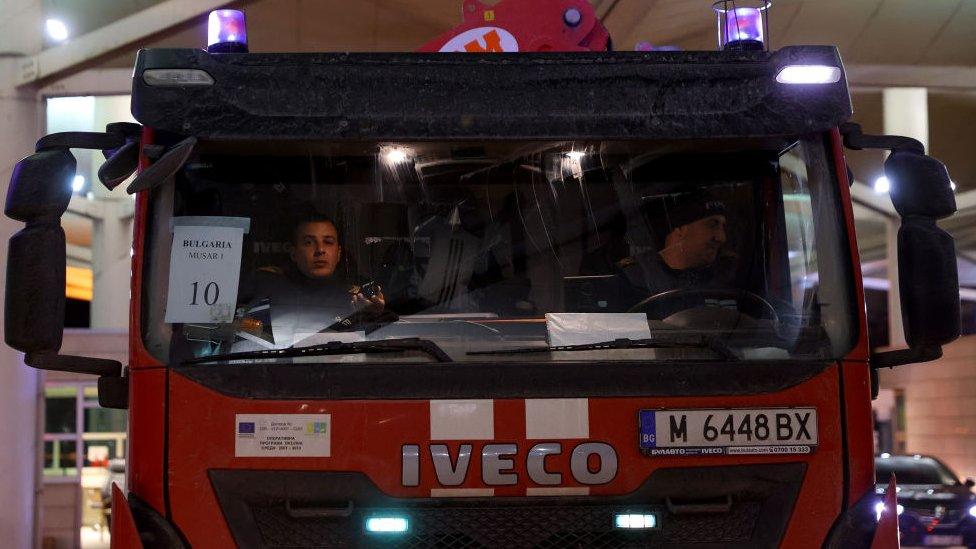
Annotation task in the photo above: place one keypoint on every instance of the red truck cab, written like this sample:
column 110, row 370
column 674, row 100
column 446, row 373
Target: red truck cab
column 535, row 368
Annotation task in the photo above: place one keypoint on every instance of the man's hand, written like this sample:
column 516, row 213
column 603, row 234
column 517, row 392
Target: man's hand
column 374, row 304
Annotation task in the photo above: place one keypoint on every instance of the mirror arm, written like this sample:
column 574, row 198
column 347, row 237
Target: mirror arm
column 46, row 360
column 913, row 355
column 855, row 139
column 113, row 386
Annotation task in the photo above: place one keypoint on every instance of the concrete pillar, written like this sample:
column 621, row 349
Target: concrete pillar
column 111, row 264
column 20, row 386
column 111, row 235
column 906, row 112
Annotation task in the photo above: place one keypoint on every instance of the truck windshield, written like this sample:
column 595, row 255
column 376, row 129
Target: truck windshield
column 701, row 250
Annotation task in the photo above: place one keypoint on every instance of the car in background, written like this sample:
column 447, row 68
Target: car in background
column 935, row 508
column 116, row 475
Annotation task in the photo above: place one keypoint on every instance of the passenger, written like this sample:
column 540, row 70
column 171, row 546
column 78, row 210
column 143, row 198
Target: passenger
column 310, row 294
column 316, row 253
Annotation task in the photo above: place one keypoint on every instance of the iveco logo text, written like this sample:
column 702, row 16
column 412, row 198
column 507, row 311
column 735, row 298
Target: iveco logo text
column 590, row 463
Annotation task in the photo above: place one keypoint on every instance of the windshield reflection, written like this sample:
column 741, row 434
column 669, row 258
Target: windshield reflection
column 495, row 246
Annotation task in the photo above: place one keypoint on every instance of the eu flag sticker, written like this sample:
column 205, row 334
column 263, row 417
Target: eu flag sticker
column 647, row 429
column 245, row 428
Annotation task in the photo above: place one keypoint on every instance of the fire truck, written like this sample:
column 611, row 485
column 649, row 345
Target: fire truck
column 516, row 289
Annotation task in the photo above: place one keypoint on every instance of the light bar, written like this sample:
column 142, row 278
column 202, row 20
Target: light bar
column 387, row 525
column 226, row 32
column 809, row 74
column 177, row 77
column 635, row 521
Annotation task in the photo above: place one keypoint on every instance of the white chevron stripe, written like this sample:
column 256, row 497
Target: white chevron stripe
column 557, row 418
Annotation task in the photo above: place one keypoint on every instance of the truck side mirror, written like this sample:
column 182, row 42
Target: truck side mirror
column 38, row 195
column 39, row 192
column 927, row 275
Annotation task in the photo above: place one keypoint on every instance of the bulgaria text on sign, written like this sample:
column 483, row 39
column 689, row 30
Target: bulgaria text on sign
column 204, row 268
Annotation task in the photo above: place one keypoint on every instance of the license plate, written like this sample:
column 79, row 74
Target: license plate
column 942, row 540
column 729, row 432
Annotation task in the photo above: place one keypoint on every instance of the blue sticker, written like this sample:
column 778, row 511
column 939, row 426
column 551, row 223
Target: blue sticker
column 245, row 428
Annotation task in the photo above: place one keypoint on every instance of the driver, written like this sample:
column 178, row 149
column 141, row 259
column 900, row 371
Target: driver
column 691, row 233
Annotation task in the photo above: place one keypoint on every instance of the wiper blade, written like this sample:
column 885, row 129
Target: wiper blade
column 335, row 348
column 704, row 341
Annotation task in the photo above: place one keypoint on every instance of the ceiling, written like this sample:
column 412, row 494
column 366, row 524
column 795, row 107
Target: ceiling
column 926, row 32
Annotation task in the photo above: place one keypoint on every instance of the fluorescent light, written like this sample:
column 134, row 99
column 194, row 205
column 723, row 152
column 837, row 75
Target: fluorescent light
column 56, row 30
column 808, row 74
column 78, row 183
column 387, row 525
column 882, row 185
column 635, row 521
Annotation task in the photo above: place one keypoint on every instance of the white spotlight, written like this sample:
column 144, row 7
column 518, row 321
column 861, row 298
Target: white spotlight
column 78, row 183
column 882, row 185
column 56, row 30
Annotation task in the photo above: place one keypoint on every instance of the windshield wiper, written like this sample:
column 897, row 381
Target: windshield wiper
column 335, row 348
column 704, row 341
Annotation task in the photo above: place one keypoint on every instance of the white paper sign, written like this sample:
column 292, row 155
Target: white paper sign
column 283, row 435
column 584, row 328
column 204, row 268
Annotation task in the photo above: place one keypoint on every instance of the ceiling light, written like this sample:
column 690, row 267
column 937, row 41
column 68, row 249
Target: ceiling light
column 395, row 156
column 882, row 185
column 56, row 30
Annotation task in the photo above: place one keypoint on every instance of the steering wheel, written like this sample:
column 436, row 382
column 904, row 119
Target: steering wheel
column 665, row 304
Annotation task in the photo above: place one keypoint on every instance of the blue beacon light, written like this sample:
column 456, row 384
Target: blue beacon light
column 741, row 28
column 226, row 32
